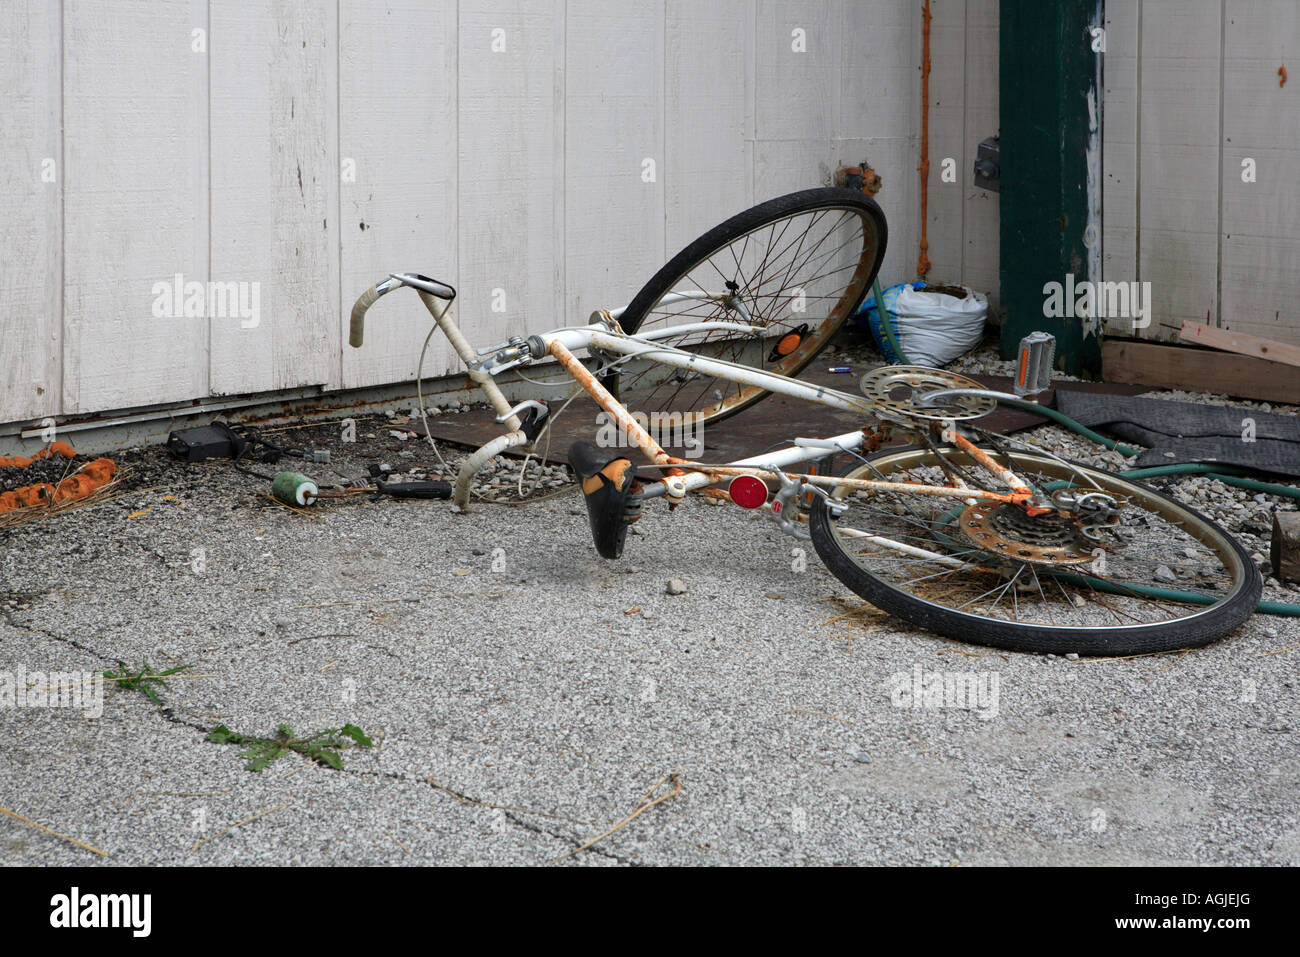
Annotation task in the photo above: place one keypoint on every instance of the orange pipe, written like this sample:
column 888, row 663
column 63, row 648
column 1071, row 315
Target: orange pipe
column 923, row 260
column 643, row 440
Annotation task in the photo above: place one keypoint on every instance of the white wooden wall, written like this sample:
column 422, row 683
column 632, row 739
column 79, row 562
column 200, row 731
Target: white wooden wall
column 1192, row 90
column 312, row 146
column 963, row 220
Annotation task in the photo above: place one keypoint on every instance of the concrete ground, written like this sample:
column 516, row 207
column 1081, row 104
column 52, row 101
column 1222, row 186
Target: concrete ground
column 525, row 695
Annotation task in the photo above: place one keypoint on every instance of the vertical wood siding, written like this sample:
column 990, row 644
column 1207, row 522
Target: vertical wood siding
column 311, row 146
column 1191, row 90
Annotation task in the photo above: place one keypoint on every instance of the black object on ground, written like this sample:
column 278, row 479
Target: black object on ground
column 1183, row 432
column 215, row 441
column 423, row 489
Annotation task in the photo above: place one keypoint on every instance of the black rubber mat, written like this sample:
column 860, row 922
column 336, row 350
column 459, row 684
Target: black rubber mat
column 1178, row 433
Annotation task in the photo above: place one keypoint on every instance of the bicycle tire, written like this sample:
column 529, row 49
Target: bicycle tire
column 1195, row 630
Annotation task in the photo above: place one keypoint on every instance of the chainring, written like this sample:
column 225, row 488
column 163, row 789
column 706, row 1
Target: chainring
column 894, row 391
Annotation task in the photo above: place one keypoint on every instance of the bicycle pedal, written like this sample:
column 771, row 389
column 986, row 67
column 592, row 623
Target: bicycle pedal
column 1034, row 374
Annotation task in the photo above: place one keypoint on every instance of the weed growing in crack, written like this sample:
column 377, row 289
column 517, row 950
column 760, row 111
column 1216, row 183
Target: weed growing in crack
column 144, row 680
column 322, row 747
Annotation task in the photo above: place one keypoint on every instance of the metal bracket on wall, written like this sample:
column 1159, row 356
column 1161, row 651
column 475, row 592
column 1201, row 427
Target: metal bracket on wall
column 988, row 165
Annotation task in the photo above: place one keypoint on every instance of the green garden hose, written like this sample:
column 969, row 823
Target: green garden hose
column 886, row 320
column 1215, row 472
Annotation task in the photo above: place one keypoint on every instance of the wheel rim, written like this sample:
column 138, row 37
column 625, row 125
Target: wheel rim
column 1124, row 586
column 807, row 269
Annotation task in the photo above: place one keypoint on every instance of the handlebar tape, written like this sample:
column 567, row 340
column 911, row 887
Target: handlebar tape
column 357, row 332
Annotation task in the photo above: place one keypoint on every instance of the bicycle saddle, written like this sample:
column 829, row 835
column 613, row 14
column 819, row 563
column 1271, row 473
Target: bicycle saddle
column 607, row 482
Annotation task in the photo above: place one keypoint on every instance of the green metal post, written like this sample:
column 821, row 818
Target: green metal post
column 1050, row 116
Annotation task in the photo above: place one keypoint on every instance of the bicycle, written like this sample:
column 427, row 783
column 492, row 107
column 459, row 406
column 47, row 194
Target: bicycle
column 964, row 532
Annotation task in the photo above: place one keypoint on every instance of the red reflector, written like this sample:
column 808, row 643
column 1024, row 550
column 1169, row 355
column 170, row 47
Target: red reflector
column 747, row 491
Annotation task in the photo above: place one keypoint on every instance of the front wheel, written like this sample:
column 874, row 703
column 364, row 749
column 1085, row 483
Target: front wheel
column 1164, row 577
column 783, row 275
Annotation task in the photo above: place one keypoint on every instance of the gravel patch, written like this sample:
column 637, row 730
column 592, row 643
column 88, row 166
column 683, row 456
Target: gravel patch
column 524, row 694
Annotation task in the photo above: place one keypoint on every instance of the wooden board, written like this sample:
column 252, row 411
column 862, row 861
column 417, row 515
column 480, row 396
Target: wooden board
column 398, row 213
column 1120, row 137
column 982, row 217
column 946, row 202
column 1261, row 121
column 614, row 130
column 520, row 170
column 1240, row 342
column 1179, row 157
column 879, row 117
column 31, row 211
column 511, row 142
column 275, row 199
column 1198, row 370
column 797, row 81
column 135, row 108
column 705, row 134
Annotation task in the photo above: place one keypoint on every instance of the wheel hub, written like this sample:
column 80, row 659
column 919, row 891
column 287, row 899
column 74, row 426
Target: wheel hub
column 1049, row 539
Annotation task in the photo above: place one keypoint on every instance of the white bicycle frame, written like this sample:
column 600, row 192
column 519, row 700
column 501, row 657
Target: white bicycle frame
column 683, row 476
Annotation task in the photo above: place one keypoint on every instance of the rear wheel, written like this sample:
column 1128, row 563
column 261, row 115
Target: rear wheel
column 795, row 267
column 993, row 575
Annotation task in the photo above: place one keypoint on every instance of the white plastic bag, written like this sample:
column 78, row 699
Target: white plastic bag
column 935, row 328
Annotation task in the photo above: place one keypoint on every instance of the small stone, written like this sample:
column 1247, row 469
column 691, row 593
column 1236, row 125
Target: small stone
column 676, row 587
column 863, row 758
column 1165, row 574
column 774, row 595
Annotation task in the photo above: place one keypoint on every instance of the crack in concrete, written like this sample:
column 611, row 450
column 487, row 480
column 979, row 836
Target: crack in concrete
column 170, row 716
column 525, row 824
